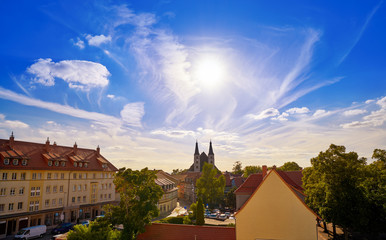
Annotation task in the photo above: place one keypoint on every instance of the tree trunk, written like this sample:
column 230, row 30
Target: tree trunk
column 325, row 227
column 334, row 230
column 345, row 233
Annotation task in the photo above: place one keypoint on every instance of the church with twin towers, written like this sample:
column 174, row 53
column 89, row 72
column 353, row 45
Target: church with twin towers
column 200, row 159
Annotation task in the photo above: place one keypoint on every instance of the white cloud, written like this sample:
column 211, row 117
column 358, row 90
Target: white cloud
column 79, row 74
column 320, row 113
column 282, row 117
column 111, row 96
column 172, row 133
column 298, row 110
column 97, row 40
column 270, row 112
column 79, row 43
column 12, row 124
column 354, row 112
column 369, row 101
column 132, row 114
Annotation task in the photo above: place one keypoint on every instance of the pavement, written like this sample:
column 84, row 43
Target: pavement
column 47, row 236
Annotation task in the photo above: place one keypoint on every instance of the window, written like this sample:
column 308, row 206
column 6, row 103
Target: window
column 109, row 185
column 61, row 188
column 5, row 176
column 19, row 205
column 80, row 175
column 109, row 175
column 6, row 161
column 73, row 199
column 48, row 175
column 74, row 188
column 21, row 191
column 105, row 196
column 36, row 205
column 22, row 176
column 14, row 176
column 33, row 176
column 12, row 192
column 78, row 199
column 48, row 189
column 85, row 187
column 75, row 164
column 47, row 203
column 39, row 176
column 74, row 176
column 3, row 191
column 62, row 176
column 80, row 164
column 55, row 175
column 33, row 191
column 105, row 175
column 101, row 197
column 60, row 201
column 37, row 191
column 63, row 164
column 50, row 163
column 55, row 189
column 31, row 206
column 85, row 164
column 24, row 162
column 109, row 195
column 85, row 175
column 53, row 202
column 2, row 207
column 101, row 175
column 79, row 187
column 94, row 175
column 15, row 162
column 84, row 198
column 57, row 163
column 10, row 207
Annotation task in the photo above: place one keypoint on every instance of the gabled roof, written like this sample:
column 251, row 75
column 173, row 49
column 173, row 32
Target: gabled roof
column 250, row 185
column 161, row 231
column 38, row 156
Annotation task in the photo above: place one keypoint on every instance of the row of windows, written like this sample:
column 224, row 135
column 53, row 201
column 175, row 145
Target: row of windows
column 79, row 199
column 12, row 191
column 53, row 202
column 38, row 176
column 15, row 162
column 54, row 189
column 34, row 206
column 74, row 187
column 11, row 206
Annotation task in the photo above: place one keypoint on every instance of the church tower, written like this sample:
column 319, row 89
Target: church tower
column 196, row 163
column 211, row 154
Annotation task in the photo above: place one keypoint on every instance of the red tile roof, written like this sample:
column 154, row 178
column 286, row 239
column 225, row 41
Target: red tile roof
column 38, row 157
column 293, row 178
column 161, row 231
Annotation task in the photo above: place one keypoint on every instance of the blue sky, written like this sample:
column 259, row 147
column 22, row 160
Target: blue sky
column 267, row 82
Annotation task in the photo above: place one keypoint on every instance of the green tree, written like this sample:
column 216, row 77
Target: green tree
column 179, row 171
column 230, row 198
column 248, row 170
column 139, row 197
column 209, row 187
column 332, row 186
column 290, row 166
column 100, row 229
column 193, row 208
column 237, row 168
column 200, row 213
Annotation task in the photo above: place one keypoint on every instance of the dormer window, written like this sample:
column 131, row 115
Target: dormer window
column 80, row 164
column 24, row 162
column 75, row 164
column 104, row 165
column 6, row 161
column 15, row 162
column 85, row 164
column 57, row 163
column 49, row 163
column 63, row 164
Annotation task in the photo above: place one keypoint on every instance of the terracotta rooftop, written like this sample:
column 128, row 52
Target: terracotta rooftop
column 36, row 156
column 293, row 178
column 161, row 231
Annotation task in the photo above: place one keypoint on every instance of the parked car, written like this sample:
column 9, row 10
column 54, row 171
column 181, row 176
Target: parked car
column 85, row 223
column 222, row 217
column 62, row 228
column 31, row 232
column 228, row 214
column 213, row 215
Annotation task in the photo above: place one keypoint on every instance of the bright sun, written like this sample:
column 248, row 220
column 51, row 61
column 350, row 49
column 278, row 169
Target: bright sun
column 209, row 72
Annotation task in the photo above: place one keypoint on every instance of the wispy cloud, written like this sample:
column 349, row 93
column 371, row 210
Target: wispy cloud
column 97, row 40
column 79, row 74
column 79, row 43
column 270, row 112
column 354, row 112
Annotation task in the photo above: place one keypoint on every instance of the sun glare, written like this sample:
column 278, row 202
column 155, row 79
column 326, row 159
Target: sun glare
column 209, row 72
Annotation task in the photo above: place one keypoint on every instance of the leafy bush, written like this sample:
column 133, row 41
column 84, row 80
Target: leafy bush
column 173, row 220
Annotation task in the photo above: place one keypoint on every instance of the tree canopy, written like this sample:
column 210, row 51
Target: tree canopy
column 100, row 229
column 209, row 187
column 290, row 166
column 139, row 197
column 237, row 168
column 343, row 190
column 200, row 220
column 248, row 170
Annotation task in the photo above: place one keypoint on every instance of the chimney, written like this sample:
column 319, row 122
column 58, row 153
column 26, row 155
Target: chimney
column 54, row 144
column 47, row 147
column 98, row 150
column 75, row 148
column 11, row 140
column 264, row 170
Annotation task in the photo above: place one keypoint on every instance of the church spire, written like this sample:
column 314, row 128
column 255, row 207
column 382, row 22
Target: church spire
column 210, row 148
column 196, row 152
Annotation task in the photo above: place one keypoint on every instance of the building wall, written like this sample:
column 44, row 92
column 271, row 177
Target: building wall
column 274, row 212
column 241, row 199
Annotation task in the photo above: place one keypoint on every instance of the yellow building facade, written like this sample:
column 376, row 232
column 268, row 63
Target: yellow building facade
column 275, row 211
column 48, row 184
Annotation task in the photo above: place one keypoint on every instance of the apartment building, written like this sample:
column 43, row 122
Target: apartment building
column 169, row 199
column 48, row 184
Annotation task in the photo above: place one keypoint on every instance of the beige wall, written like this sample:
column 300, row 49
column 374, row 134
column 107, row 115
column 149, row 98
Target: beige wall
column 274, row 212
